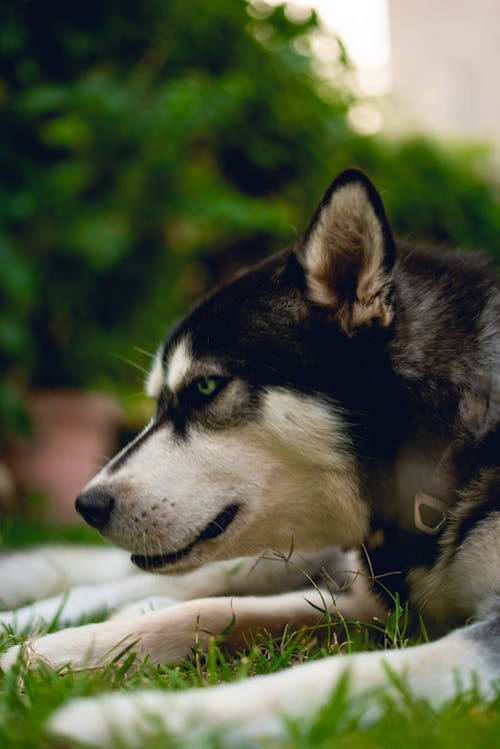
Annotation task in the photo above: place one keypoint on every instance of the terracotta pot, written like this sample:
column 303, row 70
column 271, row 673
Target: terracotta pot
column 74, row 433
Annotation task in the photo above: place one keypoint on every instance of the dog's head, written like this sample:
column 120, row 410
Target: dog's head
column 264, row 393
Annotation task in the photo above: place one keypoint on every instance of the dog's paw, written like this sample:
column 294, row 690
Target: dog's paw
column 55, row 650
column 92, row 720
column 78, row 647
column 131, row 719
column 166, row 636
column 128, row 719
column 234, row 713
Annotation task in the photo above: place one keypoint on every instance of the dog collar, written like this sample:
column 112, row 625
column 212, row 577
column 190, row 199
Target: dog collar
column 429, row 513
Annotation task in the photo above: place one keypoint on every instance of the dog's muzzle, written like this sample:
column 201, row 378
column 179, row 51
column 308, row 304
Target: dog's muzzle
column 96, row 506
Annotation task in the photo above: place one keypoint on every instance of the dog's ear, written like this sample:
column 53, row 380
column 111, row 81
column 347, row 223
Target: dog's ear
column 348, row 253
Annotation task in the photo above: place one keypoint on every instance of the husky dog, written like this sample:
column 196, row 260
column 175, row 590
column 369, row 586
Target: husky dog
column 343, row 393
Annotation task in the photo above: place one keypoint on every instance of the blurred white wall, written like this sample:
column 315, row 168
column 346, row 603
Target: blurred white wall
column 446, row 64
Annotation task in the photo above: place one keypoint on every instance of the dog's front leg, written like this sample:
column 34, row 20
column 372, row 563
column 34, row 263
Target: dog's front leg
column 169, row 635
column 139, row 592
column 256, row 707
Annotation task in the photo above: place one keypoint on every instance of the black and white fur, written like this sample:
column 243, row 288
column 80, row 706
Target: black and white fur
column 344, row 393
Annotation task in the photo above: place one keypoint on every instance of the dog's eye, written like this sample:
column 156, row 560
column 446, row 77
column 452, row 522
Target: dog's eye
column 208, row 386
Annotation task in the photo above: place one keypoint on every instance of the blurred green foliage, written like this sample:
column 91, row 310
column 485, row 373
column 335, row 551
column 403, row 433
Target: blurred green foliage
column 147, row 149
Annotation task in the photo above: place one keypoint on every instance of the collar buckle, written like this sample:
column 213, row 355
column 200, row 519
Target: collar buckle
column 429, row 513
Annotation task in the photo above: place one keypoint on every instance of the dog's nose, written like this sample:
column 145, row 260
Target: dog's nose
column 95, row 506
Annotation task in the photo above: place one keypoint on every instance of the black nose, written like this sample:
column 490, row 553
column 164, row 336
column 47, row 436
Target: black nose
column 95, row 506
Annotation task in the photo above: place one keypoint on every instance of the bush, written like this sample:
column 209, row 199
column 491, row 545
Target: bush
column 140, row 140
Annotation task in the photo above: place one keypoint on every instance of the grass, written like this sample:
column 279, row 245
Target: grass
column 18, row 533
column 28, row 698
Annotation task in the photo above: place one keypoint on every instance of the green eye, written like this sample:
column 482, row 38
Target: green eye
column 207, row 385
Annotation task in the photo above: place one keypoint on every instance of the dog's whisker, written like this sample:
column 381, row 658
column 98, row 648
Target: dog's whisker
column 133, row 364
column 143, row 351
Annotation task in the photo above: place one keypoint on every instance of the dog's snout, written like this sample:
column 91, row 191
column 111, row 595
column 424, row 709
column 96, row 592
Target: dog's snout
column 95, row 506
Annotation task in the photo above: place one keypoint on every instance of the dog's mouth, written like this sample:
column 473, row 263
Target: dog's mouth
column 215, row 527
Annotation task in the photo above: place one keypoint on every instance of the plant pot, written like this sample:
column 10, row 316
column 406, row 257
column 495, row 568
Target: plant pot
column 74, row 433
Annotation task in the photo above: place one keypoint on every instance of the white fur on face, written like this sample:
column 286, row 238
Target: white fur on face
column 155, row 379
column 174, row 374
column 290, row 471
column 319, row 474
column 179, row 364
column 179, row 368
